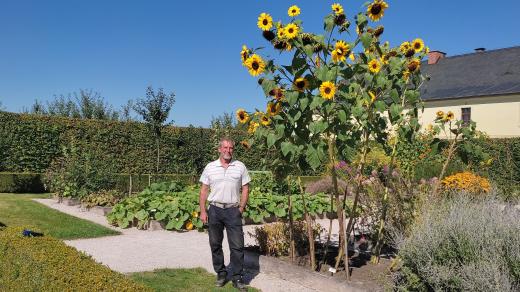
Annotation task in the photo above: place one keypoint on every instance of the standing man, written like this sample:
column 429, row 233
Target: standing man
column 224, row 177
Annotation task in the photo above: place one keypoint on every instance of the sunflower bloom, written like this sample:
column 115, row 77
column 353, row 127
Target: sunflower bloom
column 244, row 54
column 340, row 52
column 291, row 31
column 414, row 65
column 327, row 90
column 265, row 120
column 280, row 32
column 265, row 21
column 255, row 65
column 273, row 108
column 293, row 11
column 252, row 127
column 374, row 66
column 376, row 10
column 242, row 116
column 440, row 114
column 449, row 116
column 301, row 84
column 404, row 47
column 406, row 75
column 277, row 93
column 384, row 59
column 337, row 8
column 372, row 96
column 418, row 45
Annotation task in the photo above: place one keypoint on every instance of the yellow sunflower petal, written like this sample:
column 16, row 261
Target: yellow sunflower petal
column 265, row 21
column 293, row 11
column 327, row 90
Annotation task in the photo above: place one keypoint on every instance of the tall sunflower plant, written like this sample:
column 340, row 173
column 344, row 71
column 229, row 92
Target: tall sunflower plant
column 342, row 88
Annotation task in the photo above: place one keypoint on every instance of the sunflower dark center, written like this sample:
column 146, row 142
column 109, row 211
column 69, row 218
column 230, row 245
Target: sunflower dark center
column 255, row 65
column 374, row 65
column 375, row 9
column 291, row 30
column 417, row 45
column 300, row 84
column 293, row 11
column 265, row 22
column 327, row 90
column 241, row 116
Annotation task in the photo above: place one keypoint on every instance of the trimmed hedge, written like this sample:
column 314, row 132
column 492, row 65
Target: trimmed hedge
column 21, row 182
column 505, row 168
column 48, row 264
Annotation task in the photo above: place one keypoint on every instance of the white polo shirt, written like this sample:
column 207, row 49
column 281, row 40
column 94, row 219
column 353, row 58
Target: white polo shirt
column 225, row 183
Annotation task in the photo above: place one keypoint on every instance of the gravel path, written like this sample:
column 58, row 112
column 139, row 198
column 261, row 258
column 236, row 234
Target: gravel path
column 139, row 250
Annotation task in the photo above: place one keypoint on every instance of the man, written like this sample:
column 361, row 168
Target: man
column 224, row 177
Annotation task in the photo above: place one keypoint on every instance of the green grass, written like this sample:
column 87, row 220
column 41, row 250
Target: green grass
column 192, row 280
column 20, row 210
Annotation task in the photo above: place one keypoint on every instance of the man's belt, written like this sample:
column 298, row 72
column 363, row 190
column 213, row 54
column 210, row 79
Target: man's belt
column 224, row 205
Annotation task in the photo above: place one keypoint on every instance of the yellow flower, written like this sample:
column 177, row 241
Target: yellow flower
column 372, row 96
column 337, row 8
column 341, row 50
column 413, row 65
column 417, row 45
column 337, row 56
column 189, row 225
column 245, row 144
column 273, row 108
column 281, row 32
column 404, row 47
column 327, row 90
column 265, row 120
column 449, row 116
column 376, row 10
column 293, row 11
column 242, row 116
column 277, row 93
column 252, row 127
column 265, row 21
column 406, row 75
column 440, row 114
column 194, row 214
column 255, row 65
column 301, row 84
column 291, row 31
column 244, row 54
column 385, row 58
column 374, row 66
column 352, row 57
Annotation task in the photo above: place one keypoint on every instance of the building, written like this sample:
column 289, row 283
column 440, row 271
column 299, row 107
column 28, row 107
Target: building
column 483, row 86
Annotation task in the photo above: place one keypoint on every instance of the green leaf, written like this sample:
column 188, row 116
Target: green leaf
column 366, row 40
column 395, row 110
column 292, row 97
column 286, row 147
column 315, row 156
column 328, row 24
column 267, row 86
column 271, row 139
column 322, row 73
column 317, row 101
column 342, row 115
column 304, row 102
column 380, row 105
column 171, row 224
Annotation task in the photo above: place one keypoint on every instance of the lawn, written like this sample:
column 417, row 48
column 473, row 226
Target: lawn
column 20, row 210
column 194, row 280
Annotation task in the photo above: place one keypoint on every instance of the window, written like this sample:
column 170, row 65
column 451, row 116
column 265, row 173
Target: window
column 466, row 115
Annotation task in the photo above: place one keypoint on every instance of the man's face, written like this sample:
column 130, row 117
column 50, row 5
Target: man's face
column 226, row 150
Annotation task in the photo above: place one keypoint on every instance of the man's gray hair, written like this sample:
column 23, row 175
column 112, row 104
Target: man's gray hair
column 227, row 139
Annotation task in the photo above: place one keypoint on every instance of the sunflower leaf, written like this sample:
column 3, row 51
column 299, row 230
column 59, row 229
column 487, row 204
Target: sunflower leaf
column 322, row 73
column 342, row 115
column 328, row 23
column 271, row 139
column 286, row 147
column 304, row 102
column 292, row 97
column 366, row 39
column 267, row 86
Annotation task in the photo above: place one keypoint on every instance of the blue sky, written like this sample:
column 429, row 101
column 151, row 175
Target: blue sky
column 118, row 48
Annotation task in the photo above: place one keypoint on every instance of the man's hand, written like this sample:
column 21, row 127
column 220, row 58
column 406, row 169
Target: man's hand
column 204, row 217
column 241, row 209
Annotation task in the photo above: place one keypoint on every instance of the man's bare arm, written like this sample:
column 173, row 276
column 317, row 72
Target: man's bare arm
column 204, row 190
column 244, row 198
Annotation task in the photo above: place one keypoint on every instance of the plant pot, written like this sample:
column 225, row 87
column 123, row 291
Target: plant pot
column 101, row 210
column 156, row 225
column 70, row 201
column 271, row 219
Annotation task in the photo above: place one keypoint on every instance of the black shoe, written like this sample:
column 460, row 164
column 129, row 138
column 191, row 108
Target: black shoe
column 221, row 280
column 240, row 285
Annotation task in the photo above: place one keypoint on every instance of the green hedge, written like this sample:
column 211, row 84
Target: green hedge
column 21, row 183
column 28, row 143
column 48, row 264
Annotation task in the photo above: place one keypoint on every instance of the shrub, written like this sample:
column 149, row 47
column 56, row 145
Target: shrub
column 466, row 182
column 462, row 244
column 273, row 238
column 21, row 183
column 48, row 264
column 103, row 198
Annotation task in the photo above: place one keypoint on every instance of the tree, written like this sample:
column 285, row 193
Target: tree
column 154, row 109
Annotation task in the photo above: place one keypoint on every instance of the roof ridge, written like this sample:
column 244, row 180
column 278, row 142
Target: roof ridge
column 484, row 52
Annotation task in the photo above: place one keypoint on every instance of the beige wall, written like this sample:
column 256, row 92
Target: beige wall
column 498, row 116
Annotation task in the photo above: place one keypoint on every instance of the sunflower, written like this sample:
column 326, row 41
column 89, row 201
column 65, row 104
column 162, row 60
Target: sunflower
column 372, row 96
column 242, row 116
column 291, row 31
column 293, row 11
column 413, row 65
column 409, row 53
column 268, row 35
column 404, row 47
column 440, row 114
column 280, row 32
column 385, row 59
column 265, row 21
column 378, row 31
column 449, row 116
column 337, row 56
column 189, row 225
column 376, row 10
column 245, row 144
column 406, row 75
column 327, row 90
column 255, row 65
column 252, row 127
column 337, row 8
column 301, row 84
column 417, row 45
column 244, row 54
column 374, row 66
column 273, row 108
column 277, row 93
column 265, row 120
column 341, row 50
column 358, row 30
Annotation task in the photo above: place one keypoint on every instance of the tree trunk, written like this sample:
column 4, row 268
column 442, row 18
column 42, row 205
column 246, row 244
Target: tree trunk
column 130, row 185
column 291, row 230
column 310, row 231
column 158, row 147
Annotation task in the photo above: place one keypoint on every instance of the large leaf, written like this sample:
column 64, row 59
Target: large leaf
column 328, row 24
column 271, row 139
column 292, row 97
column 286, row 147
column 267, row 86
column 366, row 40
column 315, row 156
